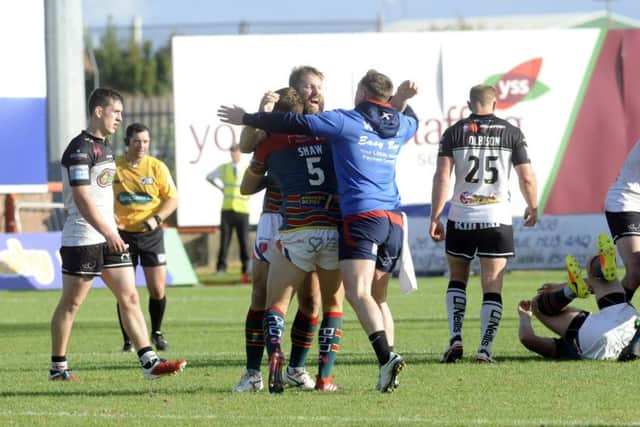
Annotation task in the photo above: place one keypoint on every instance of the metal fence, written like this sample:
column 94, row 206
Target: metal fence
column 157, row 114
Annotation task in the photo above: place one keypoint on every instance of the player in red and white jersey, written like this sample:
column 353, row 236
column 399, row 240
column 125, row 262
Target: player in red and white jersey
column 307, row 81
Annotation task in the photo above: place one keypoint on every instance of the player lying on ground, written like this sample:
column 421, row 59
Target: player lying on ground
column 598, row 336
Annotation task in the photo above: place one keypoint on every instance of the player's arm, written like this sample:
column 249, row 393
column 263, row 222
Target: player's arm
column 167, row 207
column 407, row 90
column 215, row 179
column 167, row 193
column 526, row 179
column 252, row 182
column 88, row 210
column 439, row 196
column 251, row 137
column 529, row 189
column 287, row 123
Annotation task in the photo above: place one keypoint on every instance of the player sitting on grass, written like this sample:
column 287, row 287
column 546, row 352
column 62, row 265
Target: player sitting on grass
column 583, row 335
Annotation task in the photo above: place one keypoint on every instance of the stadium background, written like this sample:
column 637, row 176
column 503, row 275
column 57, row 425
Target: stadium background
column 598, row 111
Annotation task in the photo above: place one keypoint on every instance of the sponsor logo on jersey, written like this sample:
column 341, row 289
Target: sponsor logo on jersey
column 467, row 198
column 364, row 140
column 470, row 127
column 147, row 180
column 518, row 84
column 126, row 199
column 105, row 179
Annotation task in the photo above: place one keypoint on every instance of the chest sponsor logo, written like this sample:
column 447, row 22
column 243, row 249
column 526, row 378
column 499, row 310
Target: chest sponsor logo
column 147, row 180
column 467, row 198
column 105, row 178
column 127, row 199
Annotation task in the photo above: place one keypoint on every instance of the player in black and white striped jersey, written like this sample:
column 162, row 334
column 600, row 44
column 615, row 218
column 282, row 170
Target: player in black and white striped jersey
column 91, row 245
column 480, row 150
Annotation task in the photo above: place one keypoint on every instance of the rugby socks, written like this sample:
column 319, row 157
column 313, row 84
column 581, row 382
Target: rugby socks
column 147, row 357
column 254, row 338
column 156, row 312
column 456, row 299
column 302, row 332
column 490, row 315
column 329, row 342
column 59, row 363
column 380, row 345
column 273, row 329
column 124, row 334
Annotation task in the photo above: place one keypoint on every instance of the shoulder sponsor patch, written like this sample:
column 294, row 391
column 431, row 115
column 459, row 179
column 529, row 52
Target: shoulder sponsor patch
column 79, row 173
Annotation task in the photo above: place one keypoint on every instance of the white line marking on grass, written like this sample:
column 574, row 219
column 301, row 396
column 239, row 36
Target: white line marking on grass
column 336, row 419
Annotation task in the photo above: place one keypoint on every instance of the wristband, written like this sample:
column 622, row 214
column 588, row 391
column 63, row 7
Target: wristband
column 158, row 219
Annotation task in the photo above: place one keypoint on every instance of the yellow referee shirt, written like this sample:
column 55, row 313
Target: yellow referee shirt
column 140, row 190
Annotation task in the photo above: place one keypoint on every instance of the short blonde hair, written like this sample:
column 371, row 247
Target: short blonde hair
column 483, row 94
column 377, row 85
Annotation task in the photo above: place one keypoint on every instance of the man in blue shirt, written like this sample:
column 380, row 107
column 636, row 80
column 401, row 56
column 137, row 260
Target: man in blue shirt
column 365, row 143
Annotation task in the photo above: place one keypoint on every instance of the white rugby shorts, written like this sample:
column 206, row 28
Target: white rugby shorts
column 308, row 248
column 266, row 236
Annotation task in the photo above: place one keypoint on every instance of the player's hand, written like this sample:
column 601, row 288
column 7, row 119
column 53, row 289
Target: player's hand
column 407, row 90
column 524, row 309
column 268, row 101
column 151, row 223
column 232, row 115
column 530, row 216
column 436, row 231
column 115, row 243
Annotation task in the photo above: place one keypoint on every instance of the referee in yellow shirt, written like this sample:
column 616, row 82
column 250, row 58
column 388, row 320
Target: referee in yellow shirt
column 145, row 195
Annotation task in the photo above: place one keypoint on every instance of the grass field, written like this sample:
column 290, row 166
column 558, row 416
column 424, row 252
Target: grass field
column 204, row 324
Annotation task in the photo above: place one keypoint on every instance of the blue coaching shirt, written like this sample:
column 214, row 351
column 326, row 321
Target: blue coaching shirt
column 365, row 146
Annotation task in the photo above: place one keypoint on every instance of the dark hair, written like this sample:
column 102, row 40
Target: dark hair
column 377, row 85
column 102, row 97
column 290, row 101
column 135, row 128
column 299, row 72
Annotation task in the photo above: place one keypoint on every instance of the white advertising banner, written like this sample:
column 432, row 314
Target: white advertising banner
column 538, row 89
column 542, row 246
